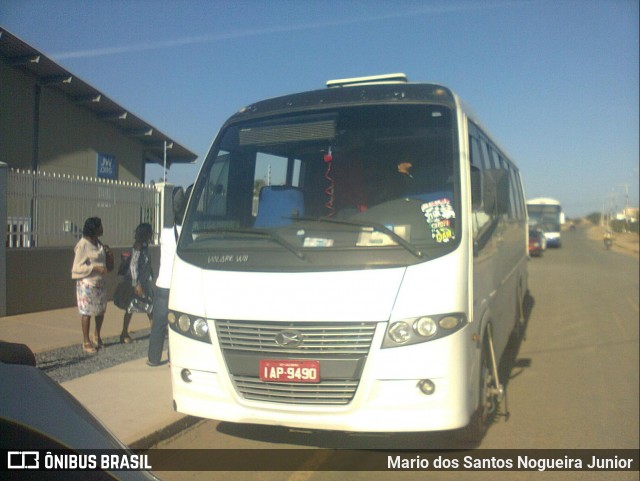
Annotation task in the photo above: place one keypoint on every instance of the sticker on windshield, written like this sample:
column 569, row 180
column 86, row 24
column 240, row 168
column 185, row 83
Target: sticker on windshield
column 440, row 216
column 317, row 242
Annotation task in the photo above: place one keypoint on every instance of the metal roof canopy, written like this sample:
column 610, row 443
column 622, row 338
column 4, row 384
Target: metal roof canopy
column 22, row 56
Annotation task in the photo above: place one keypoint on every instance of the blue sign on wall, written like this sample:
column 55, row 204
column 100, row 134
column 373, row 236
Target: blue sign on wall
column 107, row 168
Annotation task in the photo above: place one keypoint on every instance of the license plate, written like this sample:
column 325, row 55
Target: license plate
column 289, row 371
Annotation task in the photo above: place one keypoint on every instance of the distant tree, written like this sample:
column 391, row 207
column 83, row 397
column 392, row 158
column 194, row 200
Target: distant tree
column 594, row 218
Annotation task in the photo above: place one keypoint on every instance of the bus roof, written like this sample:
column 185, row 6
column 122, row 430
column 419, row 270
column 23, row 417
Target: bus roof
column 366, row 93
column 387, row 89
column 374, row 79
column 543, row 201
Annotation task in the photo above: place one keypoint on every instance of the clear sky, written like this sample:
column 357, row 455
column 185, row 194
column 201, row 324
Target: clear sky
column 555, row 81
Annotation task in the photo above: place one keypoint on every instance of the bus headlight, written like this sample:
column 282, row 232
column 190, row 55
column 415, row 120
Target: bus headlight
column 425, row 327
column 190, row 326
column 200, row 328
column 184, row 323
column 449, row 322
column 400, row 332
column 422, row 329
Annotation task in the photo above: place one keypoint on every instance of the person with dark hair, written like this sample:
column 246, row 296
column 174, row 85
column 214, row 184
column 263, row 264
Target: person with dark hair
column 140, row 274
column 402, row 182
column 88, row 270
column 168, row 241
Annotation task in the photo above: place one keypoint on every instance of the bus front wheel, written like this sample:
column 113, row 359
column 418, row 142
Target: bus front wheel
column 488, row 398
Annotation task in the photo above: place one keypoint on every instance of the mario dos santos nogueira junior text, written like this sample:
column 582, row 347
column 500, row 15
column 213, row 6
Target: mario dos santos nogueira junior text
column 520, row 462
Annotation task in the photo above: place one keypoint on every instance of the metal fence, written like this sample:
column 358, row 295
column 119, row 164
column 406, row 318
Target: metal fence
column 49, row 210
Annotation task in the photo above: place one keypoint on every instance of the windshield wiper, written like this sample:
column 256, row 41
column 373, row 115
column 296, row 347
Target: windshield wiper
column 371, row 225
column 260, row 233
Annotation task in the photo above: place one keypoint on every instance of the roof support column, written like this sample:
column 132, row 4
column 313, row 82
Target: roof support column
column 35, row 153
column 4, row 169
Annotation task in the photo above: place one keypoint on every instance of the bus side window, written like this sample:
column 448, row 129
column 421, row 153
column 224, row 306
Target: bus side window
column 476, row 174
column 502, row 192
column 481, row 197
column 214, row 198
column 517, row 199
column 476, row 188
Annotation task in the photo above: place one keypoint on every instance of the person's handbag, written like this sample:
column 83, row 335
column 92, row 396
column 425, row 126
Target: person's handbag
column 108, row 257
column 125, row 263
column 141, row 304
column 123, row 294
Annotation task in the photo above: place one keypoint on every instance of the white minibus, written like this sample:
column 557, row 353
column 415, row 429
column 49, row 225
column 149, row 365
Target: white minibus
column 352, row 258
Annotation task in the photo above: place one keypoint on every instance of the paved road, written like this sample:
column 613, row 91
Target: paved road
column 574, row 383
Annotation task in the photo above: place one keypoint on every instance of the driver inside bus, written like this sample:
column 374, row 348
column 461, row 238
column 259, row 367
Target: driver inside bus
column 402, row 182
column 405, row 178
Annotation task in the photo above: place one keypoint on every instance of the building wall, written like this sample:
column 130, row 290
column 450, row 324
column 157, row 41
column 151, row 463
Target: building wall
column 41, row 125
column 70, row 136
column 16, row 118
column 40, row 279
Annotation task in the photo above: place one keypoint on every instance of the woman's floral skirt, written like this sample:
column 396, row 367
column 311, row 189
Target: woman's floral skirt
column 92, row 297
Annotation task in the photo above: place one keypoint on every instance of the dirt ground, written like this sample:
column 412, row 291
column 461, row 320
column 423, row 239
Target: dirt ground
column 627, row 243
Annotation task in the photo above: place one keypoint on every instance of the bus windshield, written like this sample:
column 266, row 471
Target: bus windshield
column 546, row 217
column 352, row 187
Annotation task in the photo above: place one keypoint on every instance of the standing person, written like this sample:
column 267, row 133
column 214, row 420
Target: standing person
column 168, row 243
column 140, row 274
column 89, row 268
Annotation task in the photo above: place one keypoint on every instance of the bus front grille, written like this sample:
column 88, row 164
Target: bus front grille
column 332, row 392
column 341, row 349
column 317, row 338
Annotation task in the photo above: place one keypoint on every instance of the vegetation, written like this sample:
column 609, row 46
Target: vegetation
column 624, row 226
column 594, row 218
column 616, row 225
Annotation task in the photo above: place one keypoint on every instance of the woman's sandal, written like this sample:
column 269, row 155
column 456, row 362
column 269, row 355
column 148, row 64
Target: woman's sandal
column 98, row 343
column 88, row 348
column 125, row 339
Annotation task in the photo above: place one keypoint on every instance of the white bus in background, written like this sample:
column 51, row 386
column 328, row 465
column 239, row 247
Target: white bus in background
column 546, row 214
column 353, row 259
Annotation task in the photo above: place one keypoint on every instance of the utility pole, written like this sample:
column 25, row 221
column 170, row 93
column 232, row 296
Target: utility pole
column 167, row 145
column 607, row 209
column 626, row 206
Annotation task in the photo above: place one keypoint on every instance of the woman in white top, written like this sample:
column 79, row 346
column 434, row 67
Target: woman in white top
column 89, row 267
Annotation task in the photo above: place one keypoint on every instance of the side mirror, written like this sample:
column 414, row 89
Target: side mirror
column 178, row 203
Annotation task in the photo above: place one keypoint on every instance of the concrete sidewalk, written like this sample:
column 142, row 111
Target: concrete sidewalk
column 132, row 400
